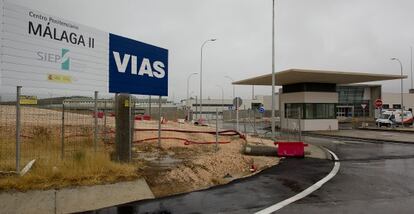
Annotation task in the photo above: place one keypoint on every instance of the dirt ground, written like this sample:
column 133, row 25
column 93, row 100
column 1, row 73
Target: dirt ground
column 173, row 168
column 193, row 167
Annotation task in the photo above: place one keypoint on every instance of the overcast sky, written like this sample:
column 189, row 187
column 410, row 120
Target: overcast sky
column 351, row 35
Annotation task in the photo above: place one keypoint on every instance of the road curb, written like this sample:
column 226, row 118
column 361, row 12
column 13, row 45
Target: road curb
column 371, row 140
column 387, row 130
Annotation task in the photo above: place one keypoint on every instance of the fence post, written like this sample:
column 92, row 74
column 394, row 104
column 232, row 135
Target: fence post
column 300, row 127
column 131, row 128
column 159, row 121
column 149, row 105
column 196, row 108
column 254, row 121
column 95, row 114
column 287, row 126
column 244, row 120
column 62, row 136
column 18, row 128
column 105, row 128
column 216, row 129
column 237, row 114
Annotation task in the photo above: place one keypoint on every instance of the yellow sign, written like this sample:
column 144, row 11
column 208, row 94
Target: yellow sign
column 28, row 100
column 59, row 78
column 126, row 104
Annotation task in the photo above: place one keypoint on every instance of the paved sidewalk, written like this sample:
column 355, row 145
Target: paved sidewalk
column 71, row 200
column 406, row 129
column 383, row 136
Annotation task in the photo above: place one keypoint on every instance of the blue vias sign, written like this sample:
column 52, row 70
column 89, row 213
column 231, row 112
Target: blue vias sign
column 136, row 67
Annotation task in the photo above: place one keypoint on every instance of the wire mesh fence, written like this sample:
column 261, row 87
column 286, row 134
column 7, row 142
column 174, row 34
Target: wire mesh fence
column 47, row 129
column 55, row 128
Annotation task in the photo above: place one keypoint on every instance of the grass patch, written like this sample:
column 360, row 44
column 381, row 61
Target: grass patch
column 84, row 168
column 81, row 165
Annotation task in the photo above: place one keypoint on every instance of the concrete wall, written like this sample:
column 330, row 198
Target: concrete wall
column 395, row 98
column 267, row 102
column 307, row 97
column 311, row 125
column 171, row 113
column 218, row 104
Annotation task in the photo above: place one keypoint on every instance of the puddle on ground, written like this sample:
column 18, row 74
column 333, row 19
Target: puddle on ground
column 160, row 161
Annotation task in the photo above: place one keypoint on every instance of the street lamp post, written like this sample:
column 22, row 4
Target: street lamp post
column 201, row 76
column 232, row 80
column 411, row 51
column 188, row 86
column 402, row 91
column 273, row 70
column 222, row 98
column 236, row 107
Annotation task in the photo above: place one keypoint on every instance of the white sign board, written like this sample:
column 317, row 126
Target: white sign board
column 49, row 53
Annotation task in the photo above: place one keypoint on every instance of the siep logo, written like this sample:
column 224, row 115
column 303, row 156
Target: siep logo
column 136, row 67
column 63, row 58
column 65, row 62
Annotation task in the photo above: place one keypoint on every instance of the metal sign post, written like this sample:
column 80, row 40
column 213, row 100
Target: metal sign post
column 237, row 102
column 378, row 104
column 363, row 114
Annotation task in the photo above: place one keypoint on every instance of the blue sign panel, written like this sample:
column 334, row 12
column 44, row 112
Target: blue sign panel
column 261, row 109
column 136, row 67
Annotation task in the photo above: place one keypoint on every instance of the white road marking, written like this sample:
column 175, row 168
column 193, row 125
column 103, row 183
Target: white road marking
column 338, row 142
column 305, row 192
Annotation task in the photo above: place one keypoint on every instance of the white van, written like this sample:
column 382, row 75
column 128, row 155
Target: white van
column 393, row 118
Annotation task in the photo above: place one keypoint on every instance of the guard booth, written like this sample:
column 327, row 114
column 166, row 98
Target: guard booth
column 315, row 93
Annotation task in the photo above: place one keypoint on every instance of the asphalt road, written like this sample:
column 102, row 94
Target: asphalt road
column 373, row 178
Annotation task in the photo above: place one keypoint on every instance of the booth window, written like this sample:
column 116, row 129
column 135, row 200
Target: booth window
column 396, row 106
column 310, row 110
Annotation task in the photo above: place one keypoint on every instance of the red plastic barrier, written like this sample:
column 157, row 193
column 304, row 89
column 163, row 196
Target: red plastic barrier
column 291, row 149
column 98, row 114
column 146, row 117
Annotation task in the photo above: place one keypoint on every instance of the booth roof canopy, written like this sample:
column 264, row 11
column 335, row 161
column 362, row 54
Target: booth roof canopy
column 293, row 76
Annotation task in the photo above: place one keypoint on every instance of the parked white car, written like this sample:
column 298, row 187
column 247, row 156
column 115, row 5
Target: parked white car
column 393, row 118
